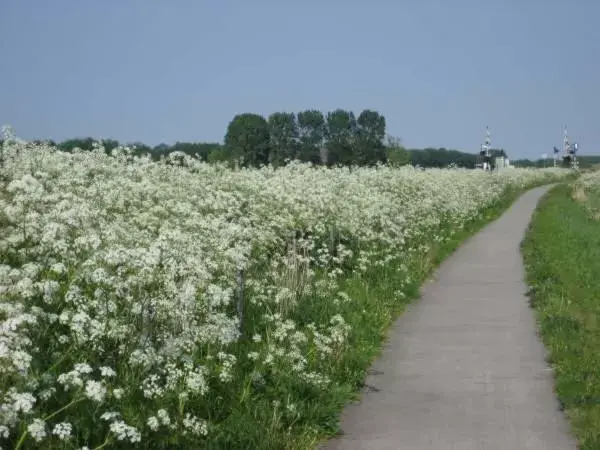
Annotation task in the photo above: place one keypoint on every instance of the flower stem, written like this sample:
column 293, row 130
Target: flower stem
column 104, row 444
column 77, row 400
column 21, row 440
column 48, row 417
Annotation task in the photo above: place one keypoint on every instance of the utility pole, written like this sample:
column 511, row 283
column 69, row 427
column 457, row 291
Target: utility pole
column 570, row 151
column 566, row 145
column 485, row 150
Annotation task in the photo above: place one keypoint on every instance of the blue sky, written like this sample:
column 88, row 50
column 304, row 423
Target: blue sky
column 438, row 70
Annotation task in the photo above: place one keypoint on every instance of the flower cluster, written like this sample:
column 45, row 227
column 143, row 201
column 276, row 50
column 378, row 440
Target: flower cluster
column 119, row 278
column 586, row 190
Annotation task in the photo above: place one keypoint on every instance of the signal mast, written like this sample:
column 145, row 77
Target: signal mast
column 485, row 151
column 569, row 155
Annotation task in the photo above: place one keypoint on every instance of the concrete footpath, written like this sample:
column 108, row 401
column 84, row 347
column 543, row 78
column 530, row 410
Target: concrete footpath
column 463, row 368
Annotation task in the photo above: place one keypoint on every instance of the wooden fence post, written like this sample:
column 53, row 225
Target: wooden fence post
column 240, row 298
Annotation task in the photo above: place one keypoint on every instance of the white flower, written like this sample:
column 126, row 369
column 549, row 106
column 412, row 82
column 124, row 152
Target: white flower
column 107, row 372
column 21, row 360
column 37, row 429
column 196, row 381
column 70, row 379
column 164, row 417
column 22, row 402
column 47, row 393
column 58, row 268
column 63, row 430
column 153, row 423
column 195, row 425
column 118, row 393
column 109, row 415
column 94, row 390
column 83, row 368
column 125, row 432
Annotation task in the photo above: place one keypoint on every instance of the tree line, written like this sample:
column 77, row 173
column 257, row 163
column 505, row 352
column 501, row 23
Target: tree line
column 338, row 138
column 584, row 161
column 335, row 138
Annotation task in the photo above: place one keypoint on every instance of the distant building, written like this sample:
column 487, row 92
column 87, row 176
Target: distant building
column 500, row 159
column 501, row 162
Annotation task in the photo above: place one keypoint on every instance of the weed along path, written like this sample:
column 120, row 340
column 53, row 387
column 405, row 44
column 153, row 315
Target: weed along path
column 463, row 368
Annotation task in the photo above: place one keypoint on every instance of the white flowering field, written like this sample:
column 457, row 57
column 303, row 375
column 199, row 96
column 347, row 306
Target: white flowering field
column 120, row 280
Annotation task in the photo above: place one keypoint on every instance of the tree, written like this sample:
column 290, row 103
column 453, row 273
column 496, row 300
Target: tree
column 283, row 131
column 139, row 148
column 370, row 133
column 311, row 133
column 396, row 154
column 160, row 150
column 341, row 137
column 87, row 144
column 247, row 139
column 218, row 155
column 109, row 145
column 69, row 145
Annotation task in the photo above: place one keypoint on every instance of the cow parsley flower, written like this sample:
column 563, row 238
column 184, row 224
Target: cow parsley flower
column 94, row 390
column 62, row 430
column 37, row 429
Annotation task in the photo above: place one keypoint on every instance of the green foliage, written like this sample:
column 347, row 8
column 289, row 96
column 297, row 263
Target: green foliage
column 110, row 145
column 341, row 137
column 82, row 143
column 218, row 155
column 283, row 130
column 562, row 256
column 585, row 162
column 370, row 134
column 311, row 132
column 140, row 148
column 441, row 157
column 247, row 139
column 396, row 154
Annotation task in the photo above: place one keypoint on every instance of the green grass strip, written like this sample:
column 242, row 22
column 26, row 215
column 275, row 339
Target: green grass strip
column 562, row 257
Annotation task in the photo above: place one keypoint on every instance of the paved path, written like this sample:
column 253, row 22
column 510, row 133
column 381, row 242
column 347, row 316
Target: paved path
column 463, row 368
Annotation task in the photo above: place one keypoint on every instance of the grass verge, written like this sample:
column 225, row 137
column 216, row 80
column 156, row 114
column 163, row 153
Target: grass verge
column 562, row 257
